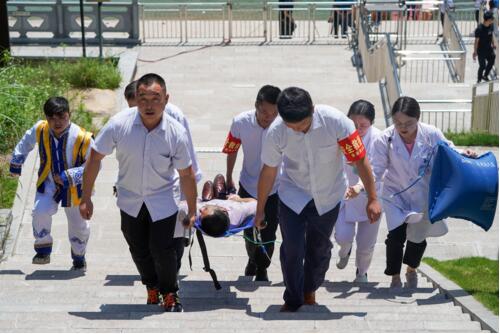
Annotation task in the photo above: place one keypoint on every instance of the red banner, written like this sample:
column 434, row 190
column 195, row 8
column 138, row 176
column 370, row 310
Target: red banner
column 353, row 147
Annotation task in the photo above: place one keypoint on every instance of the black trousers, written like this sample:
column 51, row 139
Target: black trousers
column 153, row 249
column 395, row 243
column 255, row 253
column 343, row 19
column 486, row 61
column 287, row 25
column 306, row 249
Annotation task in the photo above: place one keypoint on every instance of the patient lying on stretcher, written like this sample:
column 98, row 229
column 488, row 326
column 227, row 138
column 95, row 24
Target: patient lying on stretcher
column 218, row 210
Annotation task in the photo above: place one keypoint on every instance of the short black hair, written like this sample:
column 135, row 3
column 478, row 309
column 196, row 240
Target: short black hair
column 151, row 78
column 488, row 16
column 56, row 105
column 294, row 104
column 130, row 90
column 215, row 224
column 268, row 94
column 406, row 105
column 363, row 108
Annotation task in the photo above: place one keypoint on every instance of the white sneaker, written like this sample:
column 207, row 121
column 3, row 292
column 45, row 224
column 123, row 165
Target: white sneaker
column 342, row 261
column 361, row 278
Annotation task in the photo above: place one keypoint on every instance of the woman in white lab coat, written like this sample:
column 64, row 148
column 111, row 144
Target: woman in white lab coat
column 353, row 209
column 403, row 153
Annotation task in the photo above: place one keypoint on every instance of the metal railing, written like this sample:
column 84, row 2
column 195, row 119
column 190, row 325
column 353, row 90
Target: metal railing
column 322, row 22
column 166, row 23
column 288, row 22
column 422, row 22
column 454, row 117
column 465, row 18
column 56, row 22
column 247, row 22
column 431, row 66
column 453, row 41
column 428, row 66
column 485, row 107
column 379, row 63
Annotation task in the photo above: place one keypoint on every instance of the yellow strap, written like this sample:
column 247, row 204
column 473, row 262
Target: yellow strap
column 75, row 200
column 78, row 142
column 46, row 144
column 86, row 144
column 83, row 137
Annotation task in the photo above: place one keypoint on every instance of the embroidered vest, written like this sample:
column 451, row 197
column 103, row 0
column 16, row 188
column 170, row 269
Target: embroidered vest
column 69, row 196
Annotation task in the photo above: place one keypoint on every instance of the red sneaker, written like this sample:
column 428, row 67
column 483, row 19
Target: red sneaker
column 172, row 303
column 153, row 296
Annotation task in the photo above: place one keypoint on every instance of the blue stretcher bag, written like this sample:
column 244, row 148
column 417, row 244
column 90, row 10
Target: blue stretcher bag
column 462, row 187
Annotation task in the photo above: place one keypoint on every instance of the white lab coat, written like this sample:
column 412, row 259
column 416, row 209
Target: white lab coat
column 355, row 209
column 396, row 169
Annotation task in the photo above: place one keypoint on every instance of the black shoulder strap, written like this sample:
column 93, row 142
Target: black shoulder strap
column 206, row 262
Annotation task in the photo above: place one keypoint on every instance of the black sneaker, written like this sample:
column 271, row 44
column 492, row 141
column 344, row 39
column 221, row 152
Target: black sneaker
column 261, row 275
column 250, row 269
column 172, row 303
column 41, row 259
column 79, row 265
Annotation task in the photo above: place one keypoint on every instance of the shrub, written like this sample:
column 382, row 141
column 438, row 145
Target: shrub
column 472, row 139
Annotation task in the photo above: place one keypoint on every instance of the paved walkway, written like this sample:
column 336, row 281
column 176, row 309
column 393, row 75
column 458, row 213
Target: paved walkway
column 212, row 85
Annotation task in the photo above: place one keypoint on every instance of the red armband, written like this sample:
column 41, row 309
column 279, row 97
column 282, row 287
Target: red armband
column 232, row 144
column 353, row 147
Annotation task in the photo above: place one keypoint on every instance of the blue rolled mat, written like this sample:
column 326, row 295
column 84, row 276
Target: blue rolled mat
column 462, row 187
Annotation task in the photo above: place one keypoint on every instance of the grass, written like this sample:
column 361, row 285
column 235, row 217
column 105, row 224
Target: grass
column 476, row 275
column 84, row 73
column 8, row 186
column 472, row 139
column 24, row 88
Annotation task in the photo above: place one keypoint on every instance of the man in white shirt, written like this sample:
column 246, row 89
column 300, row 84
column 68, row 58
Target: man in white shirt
column 248, row 130
column 310, row 141
column 176, row 113
column 150, row 146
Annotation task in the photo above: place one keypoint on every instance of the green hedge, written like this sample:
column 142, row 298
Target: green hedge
column 472, row 139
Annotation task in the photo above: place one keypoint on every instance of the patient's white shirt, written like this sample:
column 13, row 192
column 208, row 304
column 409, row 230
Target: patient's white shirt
column 237, row 211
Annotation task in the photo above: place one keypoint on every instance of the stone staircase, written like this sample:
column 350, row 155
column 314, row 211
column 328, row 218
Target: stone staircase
column 110, row 297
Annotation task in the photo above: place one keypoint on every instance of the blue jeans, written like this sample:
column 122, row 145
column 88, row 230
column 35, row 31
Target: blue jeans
column 306, row 250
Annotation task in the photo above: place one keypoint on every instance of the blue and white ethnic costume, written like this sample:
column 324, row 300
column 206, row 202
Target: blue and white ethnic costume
column 64, row 156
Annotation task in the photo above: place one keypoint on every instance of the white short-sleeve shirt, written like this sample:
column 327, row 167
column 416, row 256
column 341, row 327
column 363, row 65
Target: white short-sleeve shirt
column 147, row 161
column 251, row 134
column 312, row 162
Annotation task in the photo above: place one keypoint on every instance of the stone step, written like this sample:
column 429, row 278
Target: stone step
column 93, row 302
column 253, row 325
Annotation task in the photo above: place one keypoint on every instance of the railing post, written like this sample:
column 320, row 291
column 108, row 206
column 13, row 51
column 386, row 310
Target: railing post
column 312, row 17
column 230, row 20
column 488, row 112
column 183, row 11
column 264, row 19
column 135, row 20
column 473, row 118
column 270, row 17
column 60, row 32
column 143, row 20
